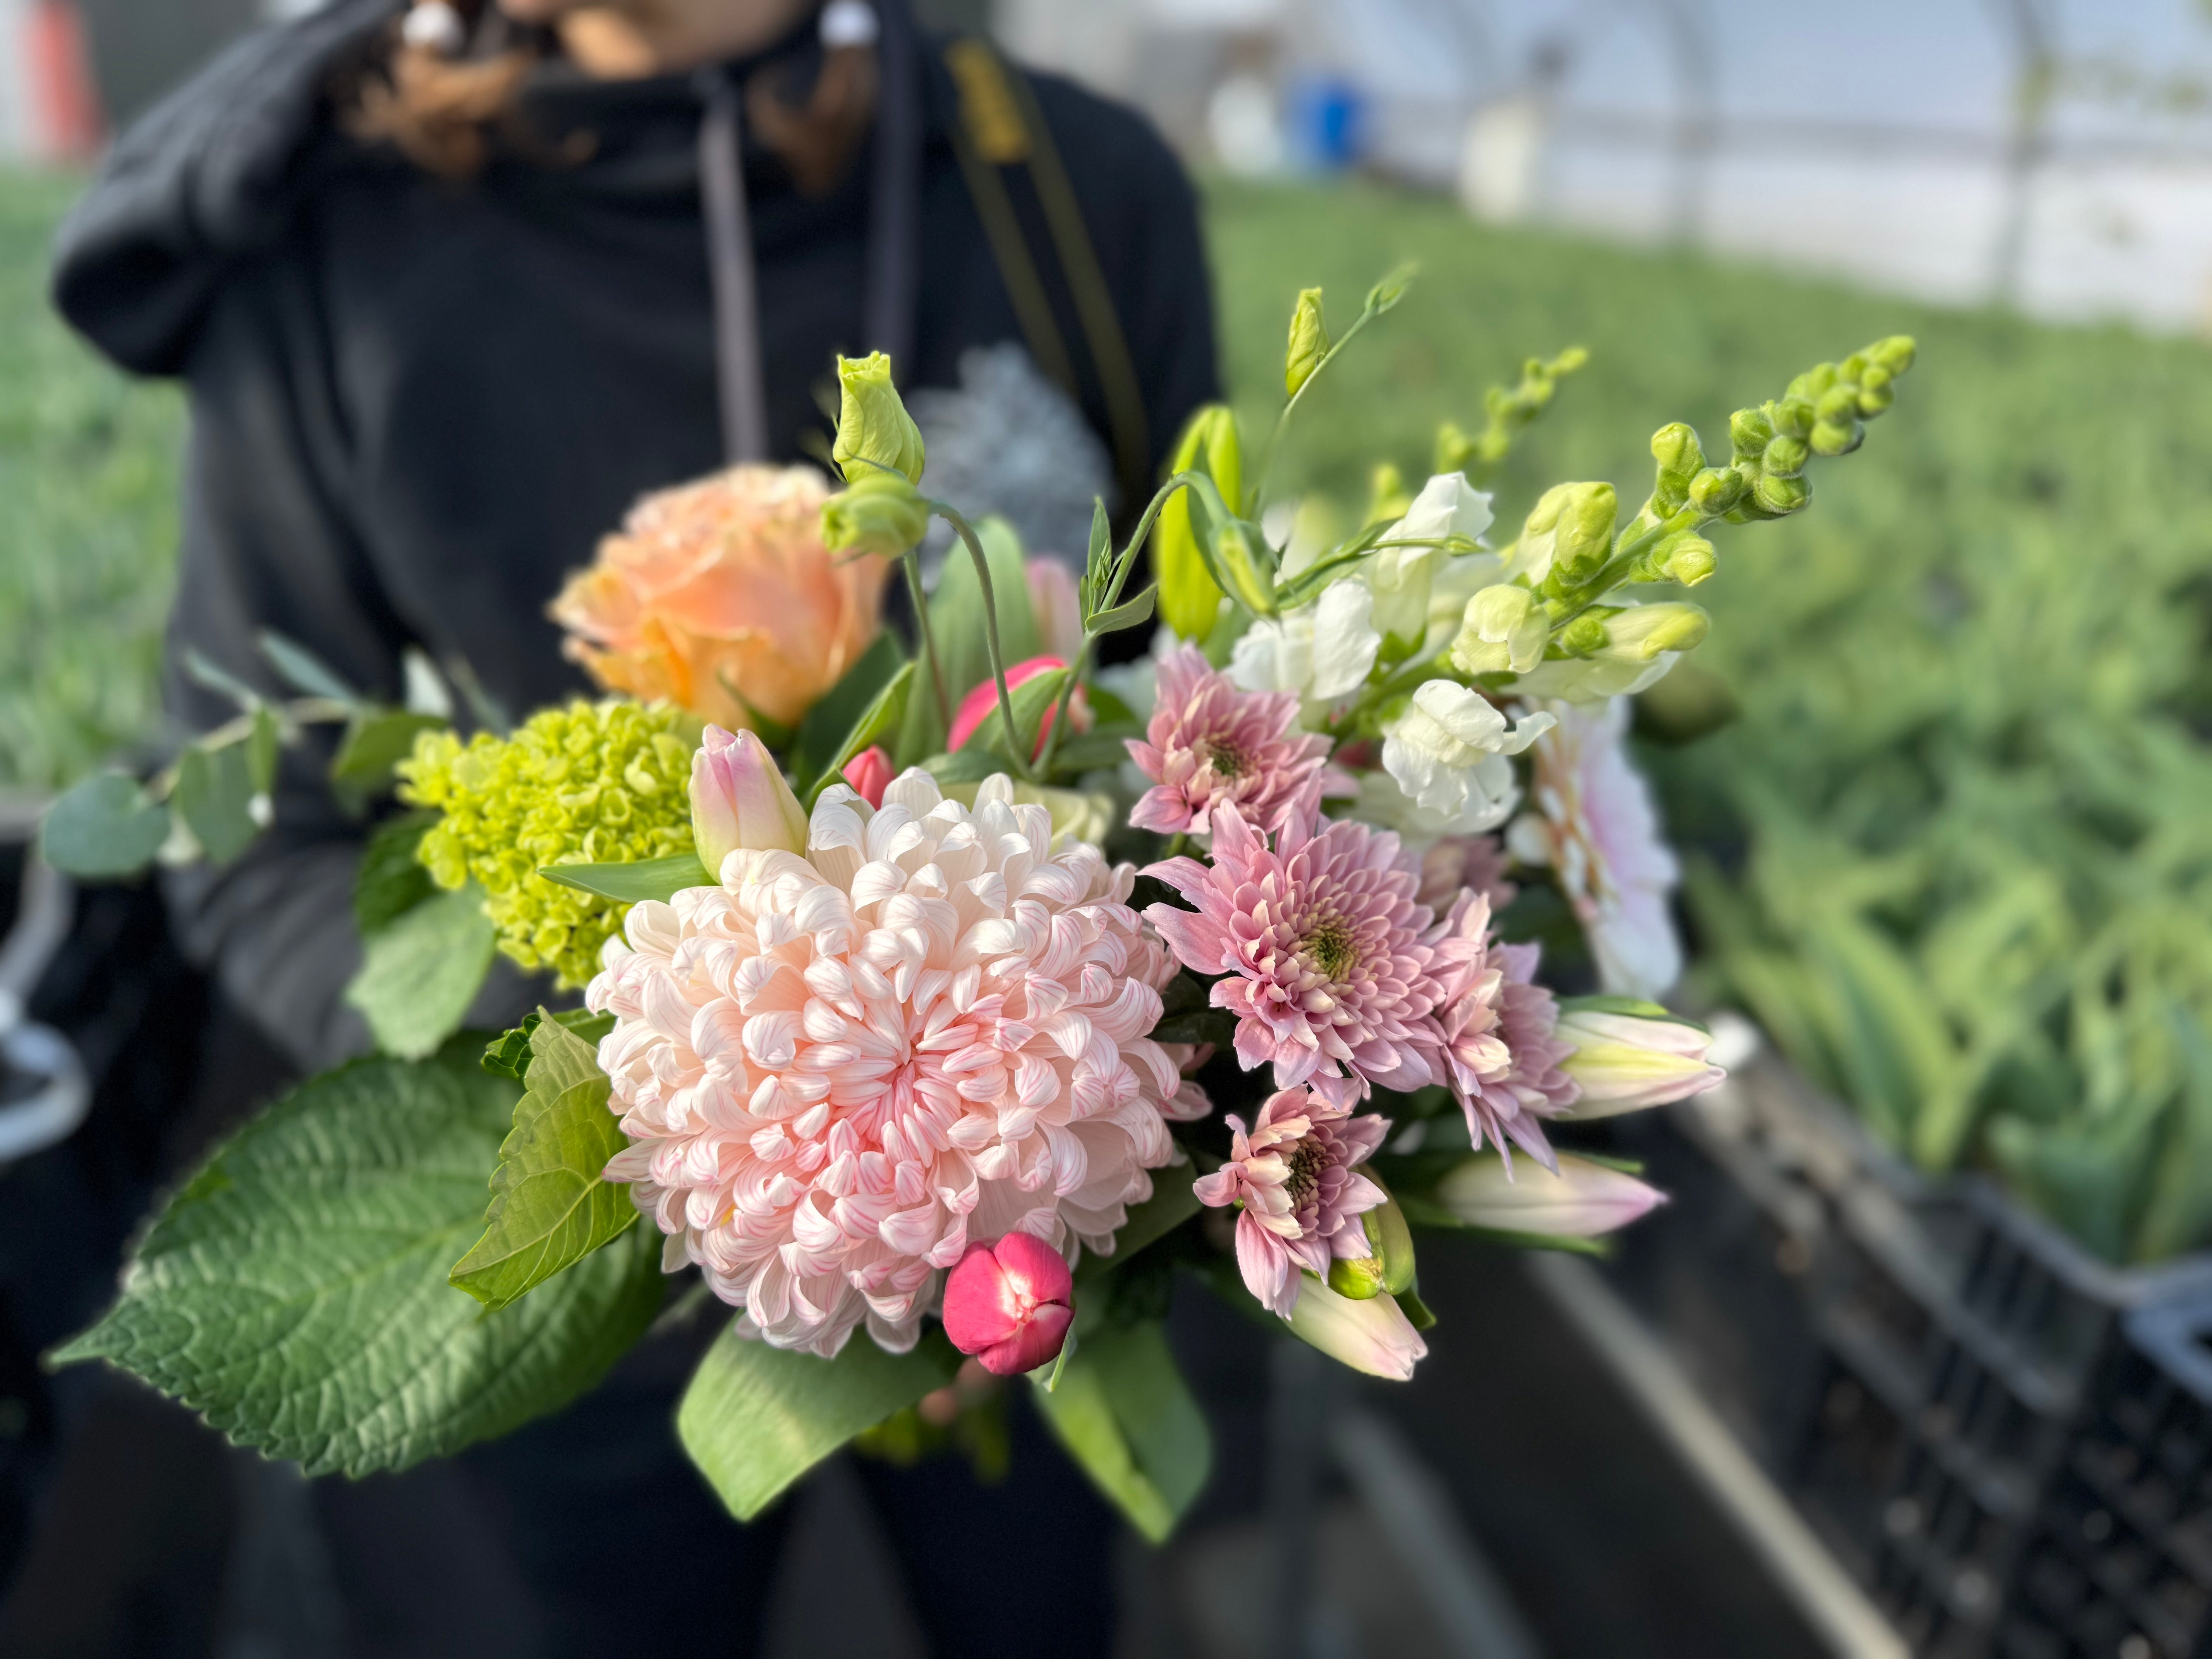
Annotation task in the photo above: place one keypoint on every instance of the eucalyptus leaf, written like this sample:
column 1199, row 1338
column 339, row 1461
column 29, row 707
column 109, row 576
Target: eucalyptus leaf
column 1122, row 1411
column 551, row 1203
column 420, row 971
column 104, row 827
column 294, row 1291
column 755, row 1419
column 634, row 882
column 303, row 671
column 214, row 797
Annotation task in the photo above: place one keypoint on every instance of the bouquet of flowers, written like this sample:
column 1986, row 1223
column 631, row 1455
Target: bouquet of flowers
column 940, row 1006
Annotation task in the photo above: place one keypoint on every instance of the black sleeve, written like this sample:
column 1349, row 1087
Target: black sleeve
column 269, row 543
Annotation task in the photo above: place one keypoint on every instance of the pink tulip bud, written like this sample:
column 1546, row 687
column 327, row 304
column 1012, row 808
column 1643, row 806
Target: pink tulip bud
column 869, row 772
column 739, row 799
column 982, row 703
column 1010, row 1303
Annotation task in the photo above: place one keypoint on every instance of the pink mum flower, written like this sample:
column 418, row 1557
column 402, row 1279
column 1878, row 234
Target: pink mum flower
column 1293, row 1173
column 1333, row 969
column 1210, row 744
column 1595, row 825
column 1502, row 1053
column 1475, row 862
column 841, row 1068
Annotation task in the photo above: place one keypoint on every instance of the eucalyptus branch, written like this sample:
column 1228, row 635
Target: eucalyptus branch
column 967, row 534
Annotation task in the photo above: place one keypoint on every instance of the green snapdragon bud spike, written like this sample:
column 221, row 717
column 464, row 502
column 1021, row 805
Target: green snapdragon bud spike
column 1308, row 341
column 874, row 431
column 1510, row 412
column 877, row 512
column 1680, row 459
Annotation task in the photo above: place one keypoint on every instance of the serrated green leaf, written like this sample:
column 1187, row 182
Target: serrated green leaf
column 390, row 881
column 881, row 717
column 106, row 826
column 508, row 1053
column 634, row 882
column 214, row 797
column 551, row 1203
column 376, row 740
column 842, row 706
column 294, row 1290
column 754, row 1418
column 422, row 970
column 1122, row 1411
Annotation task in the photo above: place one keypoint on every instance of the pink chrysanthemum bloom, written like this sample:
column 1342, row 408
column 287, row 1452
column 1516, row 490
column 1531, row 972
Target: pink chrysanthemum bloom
column 1595, row 826
column 1210, row 744
column 1474, row 862
column 1292, row 1172
column 839, row 1069
column 1502, row 1055
column 1332, row 971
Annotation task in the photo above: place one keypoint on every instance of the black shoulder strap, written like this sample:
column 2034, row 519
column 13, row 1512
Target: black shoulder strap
column 1000, row 127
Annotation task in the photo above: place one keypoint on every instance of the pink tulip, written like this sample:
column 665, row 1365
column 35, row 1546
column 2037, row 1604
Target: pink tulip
column 869, row 772
column 739, row 799
column 1009, row 1304
column 982, row 703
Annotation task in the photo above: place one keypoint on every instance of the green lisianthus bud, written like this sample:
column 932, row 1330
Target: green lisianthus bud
column 1568, row 533
column 873, row 429
column 1785, row 456
column 1642, row 631
column 1308, row 341
column 1689, row 560
column 1190, row 603
column 1504, row 632
column 877, row 512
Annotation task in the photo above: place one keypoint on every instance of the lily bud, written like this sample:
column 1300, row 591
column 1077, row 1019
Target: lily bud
column 873, row 429
column 740, row 801
column 1628, row 1055
column 1641, row 632
column 1570, row 531
column 1009, row 1304
column 1308, row 341
column 1584, row 1200
column 1504, row 632
column 877, row 512
column 869, row 772
column 1373, row 1336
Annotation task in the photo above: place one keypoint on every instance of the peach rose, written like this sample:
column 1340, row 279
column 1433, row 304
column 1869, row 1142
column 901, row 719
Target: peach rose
column 719, row 596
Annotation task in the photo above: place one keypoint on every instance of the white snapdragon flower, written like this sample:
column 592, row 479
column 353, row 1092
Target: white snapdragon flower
column 1323, row 651
column 1448, row 753
column 1401, row 577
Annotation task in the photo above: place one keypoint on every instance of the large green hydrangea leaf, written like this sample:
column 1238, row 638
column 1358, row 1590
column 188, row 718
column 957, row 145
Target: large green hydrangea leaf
column 295, row 1290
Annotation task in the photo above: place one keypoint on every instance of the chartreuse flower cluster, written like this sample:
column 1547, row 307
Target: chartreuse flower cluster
column 592, row 783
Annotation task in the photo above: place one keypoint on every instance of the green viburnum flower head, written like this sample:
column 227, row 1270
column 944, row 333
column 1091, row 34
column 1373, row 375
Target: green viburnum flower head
column 592, row 783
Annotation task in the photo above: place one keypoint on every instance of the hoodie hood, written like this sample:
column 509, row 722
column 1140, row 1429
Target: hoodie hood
column 205, row 176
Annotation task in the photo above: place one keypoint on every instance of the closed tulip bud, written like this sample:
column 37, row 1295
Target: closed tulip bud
column 1009, row 1304
column 740, row 801
column 1372, row 1335
column 874, row 431
column 1584, row 1200
column 1308, row 341
column 1689, row 560
column 1628, row 1055
column 869, row 773
column 1568, row 533
column 1642, row 631
column 877, row 512
column 1505, row 631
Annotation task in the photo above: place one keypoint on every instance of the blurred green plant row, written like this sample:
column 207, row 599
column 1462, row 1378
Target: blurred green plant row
column 1953, row 844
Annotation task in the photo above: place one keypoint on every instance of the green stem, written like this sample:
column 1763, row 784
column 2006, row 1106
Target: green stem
column 912, row 560
column 1014, row 745
column 1283, row 420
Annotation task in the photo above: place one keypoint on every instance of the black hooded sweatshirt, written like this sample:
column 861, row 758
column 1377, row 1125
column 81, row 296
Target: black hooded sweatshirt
column 416, row 403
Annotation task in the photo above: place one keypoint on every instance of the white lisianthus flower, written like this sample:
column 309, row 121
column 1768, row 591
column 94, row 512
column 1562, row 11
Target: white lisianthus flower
column 1323, row 651
column 1401, row 576
column 1448, row 753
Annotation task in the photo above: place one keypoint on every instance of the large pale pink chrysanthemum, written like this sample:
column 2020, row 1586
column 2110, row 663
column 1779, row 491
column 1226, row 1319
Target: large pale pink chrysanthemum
column 1210, row 744
column 1502, row 1055
column 1292, row 1172
column 840, row 1069
column 1332, row 971
column 1595, row 825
